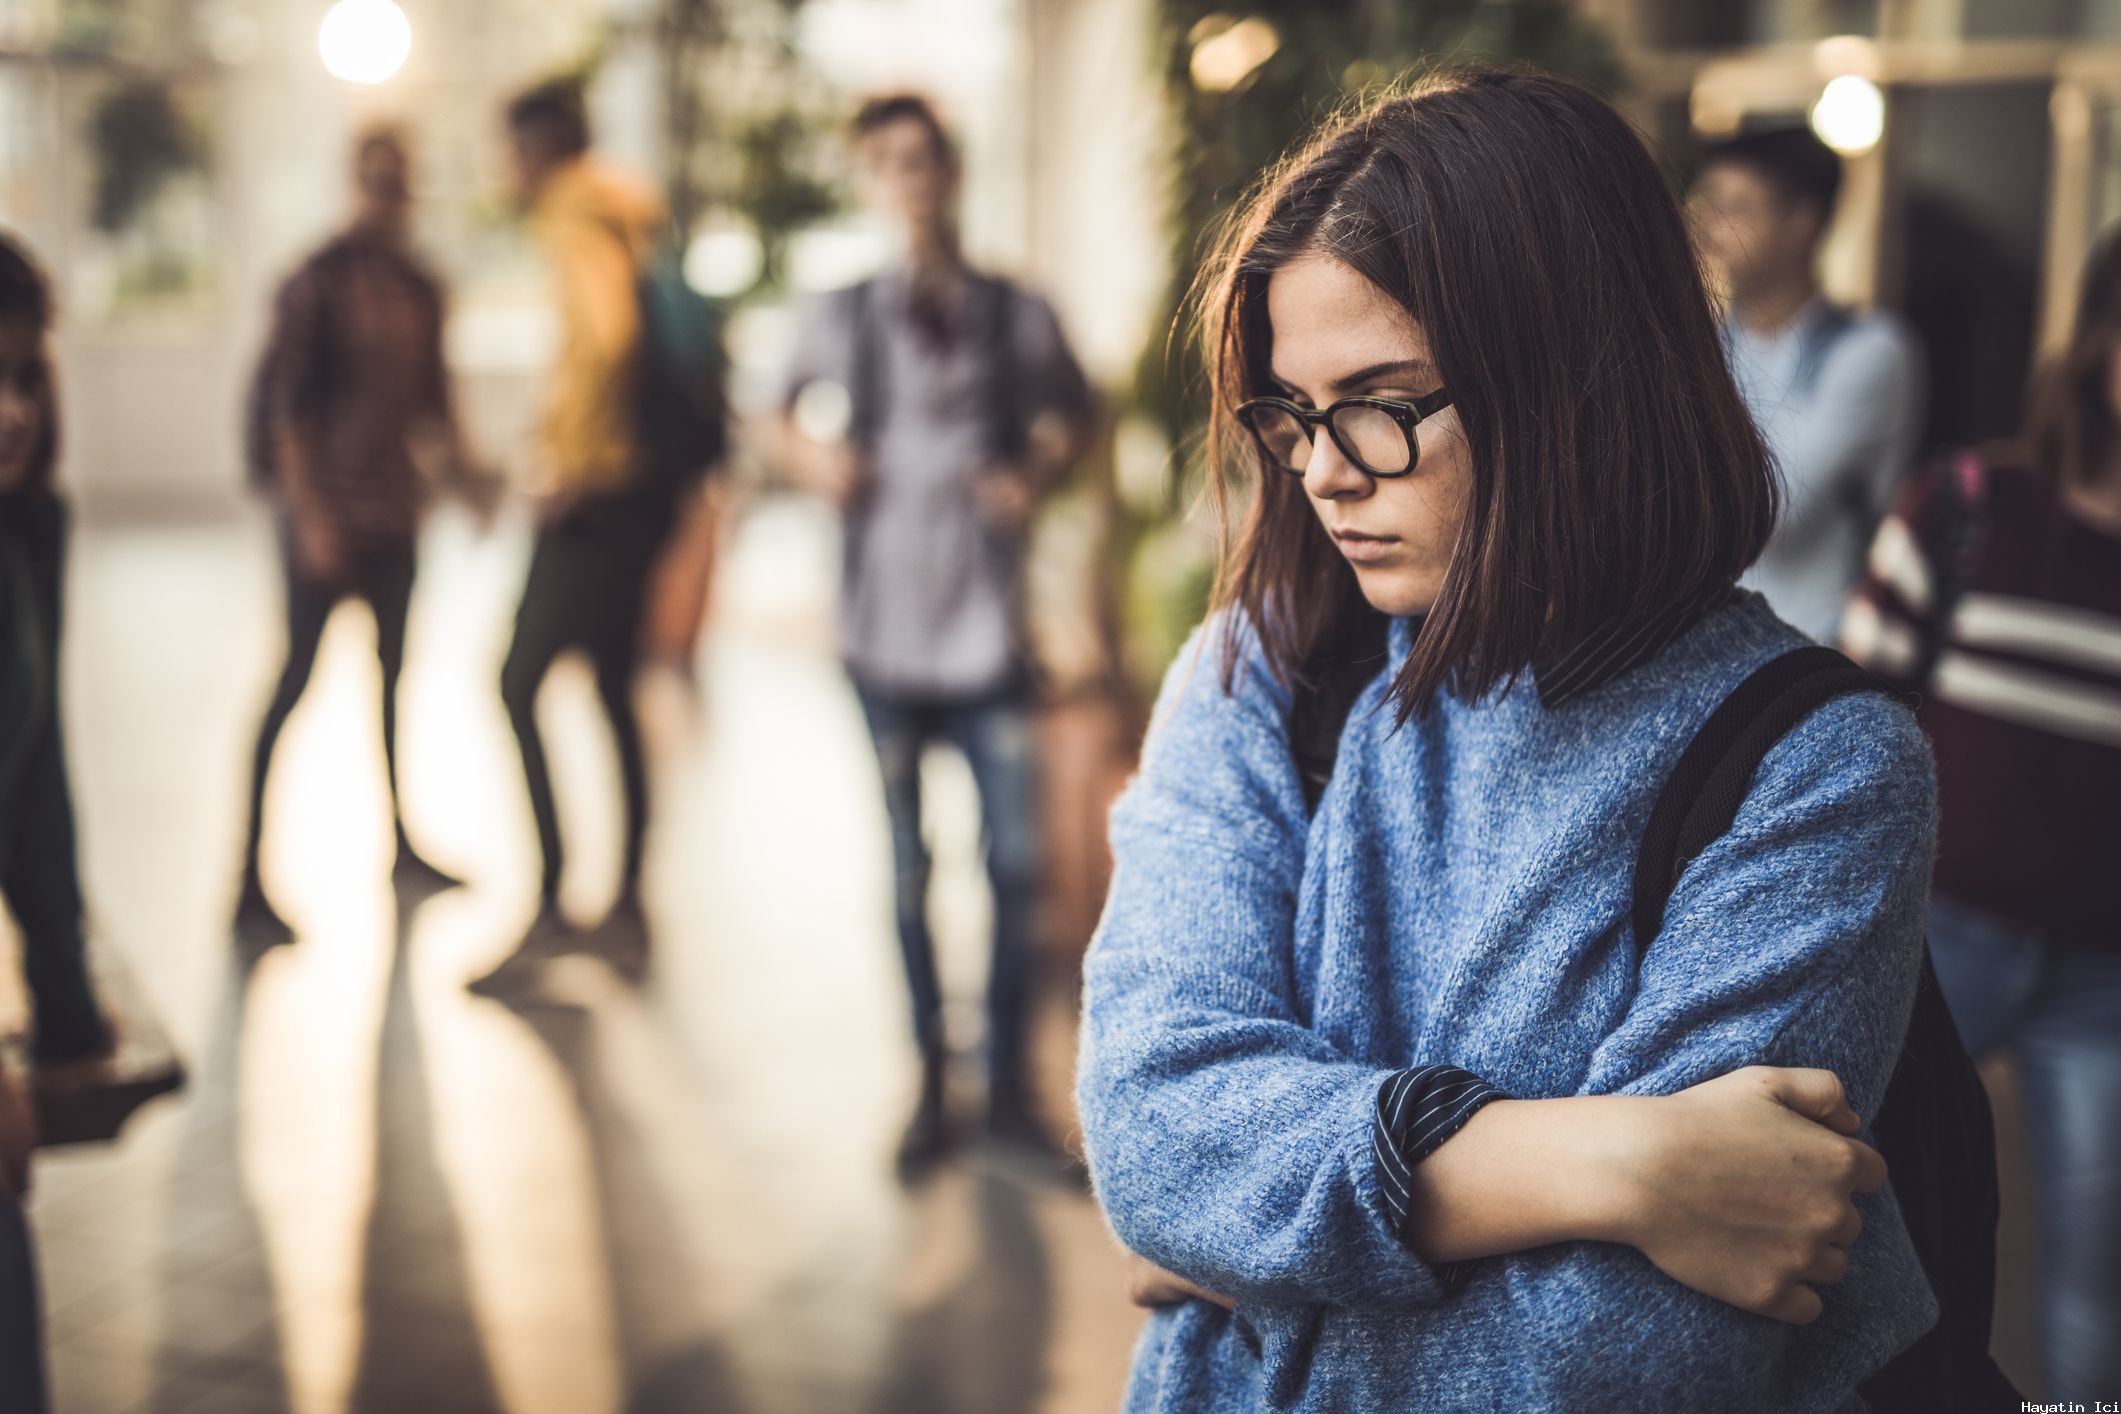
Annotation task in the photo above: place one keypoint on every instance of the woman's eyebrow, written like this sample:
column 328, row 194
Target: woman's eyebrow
column 1378, row 372
column 1361, row 377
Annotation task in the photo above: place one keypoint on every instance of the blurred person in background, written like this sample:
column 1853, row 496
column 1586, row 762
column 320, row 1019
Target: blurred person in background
column 352, row 395
column 1837, row 393
column 1994, row 590
column 602, row 516
column 962, row 406
column 39, row 873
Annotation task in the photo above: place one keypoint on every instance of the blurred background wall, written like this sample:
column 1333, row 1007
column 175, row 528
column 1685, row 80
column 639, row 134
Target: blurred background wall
column 174, row 156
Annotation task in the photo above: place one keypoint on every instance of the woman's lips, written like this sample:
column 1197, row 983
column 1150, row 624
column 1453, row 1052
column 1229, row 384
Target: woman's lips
column 1365, row 549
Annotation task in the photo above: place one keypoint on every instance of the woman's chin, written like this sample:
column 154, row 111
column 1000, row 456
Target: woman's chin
column 1398, row 595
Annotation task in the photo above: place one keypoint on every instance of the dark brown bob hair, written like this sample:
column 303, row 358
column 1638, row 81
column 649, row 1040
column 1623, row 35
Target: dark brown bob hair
column 1615, row 471
column 26, row 295
column 2072, row 432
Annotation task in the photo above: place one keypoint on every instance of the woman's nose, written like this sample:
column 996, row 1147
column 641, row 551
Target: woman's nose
column 1329, row 475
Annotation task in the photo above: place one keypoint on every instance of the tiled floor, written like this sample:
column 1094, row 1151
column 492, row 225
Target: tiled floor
column 382, row 1193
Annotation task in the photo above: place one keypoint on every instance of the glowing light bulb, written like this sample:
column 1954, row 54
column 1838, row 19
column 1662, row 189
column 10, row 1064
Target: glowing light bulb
column 1226, row 58
column 364, row 41
column 1850, row 115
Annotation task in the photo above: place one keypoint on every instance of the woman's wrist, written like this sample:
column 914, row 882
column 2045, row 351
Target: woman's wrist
column 1622, row 1137
column 1529, row 1173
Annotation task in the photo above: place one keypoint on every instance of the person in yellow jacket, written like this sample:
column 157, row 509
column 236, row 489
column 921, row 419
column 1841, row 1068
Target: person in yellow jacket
column 602, row 517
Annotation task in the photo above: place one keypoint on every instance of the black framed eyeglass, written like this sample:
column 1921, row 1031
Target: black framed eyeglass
column 1377, row 434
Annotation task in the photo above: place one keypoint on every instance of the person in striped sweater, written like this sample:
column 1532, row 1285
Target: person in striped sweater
column 1993, row 589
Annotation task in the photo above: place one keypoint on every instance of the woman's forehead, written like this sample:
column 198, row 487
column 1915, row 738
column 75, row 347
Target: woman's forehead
column 1327, row 318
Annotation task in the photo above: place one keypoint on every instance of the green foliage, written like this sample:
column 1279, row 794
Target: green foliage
column 141, row 139
column 743, row 122
column 774, row 184
column 1328, row 54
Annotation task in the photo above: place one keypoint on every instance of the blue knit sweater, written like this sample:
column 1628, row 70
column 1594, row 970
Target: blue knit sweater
column 1462, row 896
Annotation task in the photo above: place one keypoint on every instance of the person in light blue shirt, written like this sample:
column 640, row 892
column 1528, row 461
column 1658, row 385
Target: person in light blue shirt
column 1837, row 392
column 1471, row 423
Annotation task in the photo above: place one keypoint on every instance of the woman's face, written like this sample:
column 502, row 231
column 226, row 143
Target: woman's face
column 25, row 396
column 1336, row 336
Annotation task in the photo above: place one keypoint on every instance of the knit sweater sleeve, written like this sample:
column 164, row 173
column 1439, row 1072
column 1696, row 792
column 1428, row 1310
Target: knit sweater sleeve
column 1794, row 940
column 1229, row 1143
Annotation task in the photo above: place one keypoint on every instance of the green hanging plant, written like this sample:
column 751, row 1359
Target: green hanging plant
column 141, row 139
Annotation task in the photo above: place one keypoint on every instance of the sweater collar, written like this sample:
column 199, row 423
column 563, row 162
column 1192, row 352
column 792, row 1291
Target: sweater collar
column 1619, row 646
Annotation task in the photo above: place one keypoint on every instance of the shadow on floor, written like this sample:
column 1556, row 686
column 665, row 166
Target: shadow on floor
column 669, row 1364
column 421, row 1346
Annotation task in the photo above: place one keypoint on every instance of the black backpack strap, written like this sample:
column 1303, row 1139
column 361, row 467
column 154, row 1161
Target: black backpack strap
column 1007, row 433
column 865, row 373
column 1325, row 694
column 1933, row 1123
column 1820, row 336
column 1702, row 795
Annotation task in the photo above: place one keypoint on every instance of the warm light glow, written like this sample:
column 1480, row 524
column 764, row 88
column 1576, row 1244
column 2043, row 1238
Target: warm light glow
column 1850, row 116
column 1713, row 114
column 1224, row 59
column 724, row 261
column 1845, row 54
column 364, row 41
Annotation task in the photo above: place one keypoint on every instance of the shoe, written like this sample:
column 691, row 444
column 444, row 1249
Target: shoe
column 91, row 1043
column 622, row 939
column 257, row 922
column 411, row 871
column 1017, row 1132
column 628, row 916
column 549, row 933
column 929, row 1137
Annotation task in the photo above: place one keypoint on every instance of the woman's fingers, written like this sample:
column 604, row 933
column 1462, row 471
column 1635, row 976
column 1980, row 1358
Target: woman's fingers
column 1830, row 1266
column 1847, row 1230
column 1149, row 1285
column 1799, row 1305
column 1870, row 1169
column 1818, row 1095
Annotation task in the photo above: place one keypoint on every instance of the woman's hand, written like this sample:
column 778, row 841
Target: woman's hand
column 1741, row 1187
column 1149, row 1285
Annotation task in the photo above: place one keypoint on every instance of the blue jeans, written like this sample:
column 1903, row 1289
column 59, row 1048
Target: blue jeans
column 994, row 733
column 2058, row 1008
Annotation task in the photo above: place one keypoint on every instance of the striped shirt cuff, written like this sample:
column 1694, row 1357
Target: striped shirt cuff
column 1417, row 1110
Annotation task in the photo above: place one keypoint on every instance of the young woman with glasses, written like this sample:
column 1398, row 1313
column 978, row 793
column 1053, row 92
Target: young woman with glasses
column 1380, row 1092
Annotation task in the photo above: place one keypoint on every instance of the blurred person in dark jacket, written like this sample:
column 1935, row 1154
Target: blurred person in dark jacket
column 951, row 404
column 38, row 870
column 352, row 396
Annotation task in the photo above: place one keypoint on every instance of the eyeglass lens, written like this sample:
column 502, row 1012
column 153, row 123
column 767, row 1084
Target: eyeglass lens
column 1371, row 434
